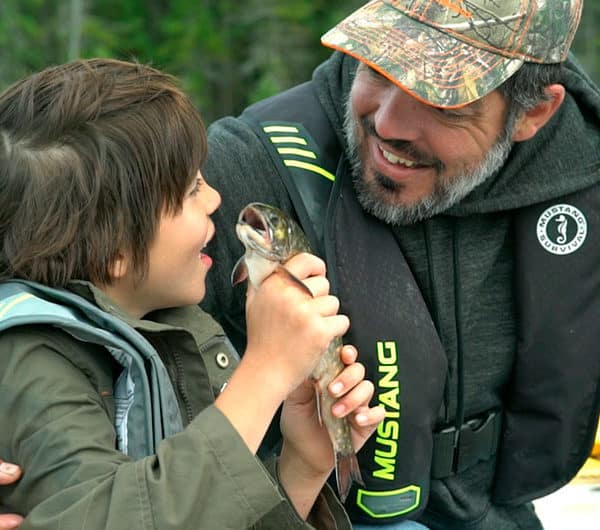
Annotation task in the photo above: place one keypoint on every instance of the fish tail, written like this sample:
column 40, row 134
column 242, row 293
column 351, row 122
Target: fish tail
column 347, row 471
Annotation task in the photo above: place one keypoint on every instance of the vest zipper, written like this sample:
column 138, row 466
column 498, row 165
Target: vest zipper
column 434, row 310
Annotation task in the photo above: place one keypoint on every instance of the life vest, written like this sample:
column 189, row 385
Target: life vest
column 146, row 408
column 546, row 429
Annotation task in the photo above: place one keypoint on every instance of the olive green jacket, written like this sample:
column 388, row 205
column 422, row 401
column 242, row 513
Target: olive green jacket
column 57, row 418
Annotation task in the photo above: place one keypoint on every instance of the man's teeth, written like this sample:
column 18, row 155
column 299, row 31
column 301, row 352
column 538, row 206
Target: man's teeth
column 393, row 159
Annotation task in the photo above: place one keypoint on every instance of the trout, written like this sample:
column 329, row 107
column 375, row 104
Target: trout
column 271, row 238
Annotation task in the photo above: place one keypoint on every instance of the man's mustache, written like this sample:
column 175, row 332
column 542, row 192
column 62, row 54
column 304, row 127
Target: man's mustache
column 403, row 148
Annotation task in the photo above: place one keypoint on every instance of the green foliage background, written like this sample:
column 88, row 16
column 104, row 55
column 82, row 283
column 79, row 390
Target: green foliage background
column 227, row 53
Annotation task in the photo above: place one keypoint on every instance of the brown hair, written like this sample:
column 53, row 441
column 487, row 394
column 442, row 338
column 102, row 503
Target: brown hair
column 92, row 153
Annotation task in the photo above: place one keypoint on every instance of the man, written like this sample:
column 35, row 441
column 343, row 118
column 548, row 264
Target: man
column 447, row 165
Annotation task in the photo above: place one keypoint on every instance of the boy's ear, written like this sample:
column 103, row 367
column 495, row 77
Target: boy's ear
column 119, row 267
column 531, row 121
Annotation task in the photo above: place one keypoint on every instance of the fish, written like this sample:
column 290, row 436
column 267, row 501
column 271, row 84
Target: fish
column 270, row 238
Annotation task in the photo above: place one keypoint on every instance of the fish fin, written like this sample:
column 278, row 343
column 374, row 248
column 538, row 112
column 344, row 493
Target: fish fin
column 240, row 271
column 293, row 279
column 318, row 400
column 347, row 471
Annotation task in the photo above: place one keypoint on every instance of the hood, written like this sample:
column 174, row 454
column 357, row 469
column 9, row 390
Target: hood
column 333, row 80
column 560, row 159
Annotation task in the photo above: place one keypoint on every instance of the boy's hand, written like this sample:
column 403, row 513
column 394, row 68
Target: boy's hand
column 9, row 473
column 288, row 329
column 307, row 449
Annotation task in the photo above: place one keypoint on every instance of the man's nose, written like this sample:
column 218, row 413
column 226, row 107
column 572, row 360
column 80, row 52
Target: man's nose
column 399, row 116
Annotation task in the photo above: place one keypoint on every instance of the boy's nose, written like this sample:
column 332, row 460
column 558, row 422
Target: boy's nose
column 214, row 199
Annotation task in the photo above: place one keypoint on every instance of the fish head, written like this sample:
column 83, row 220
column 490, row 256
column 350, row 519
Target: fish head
column 269, row 232
column 270, row 238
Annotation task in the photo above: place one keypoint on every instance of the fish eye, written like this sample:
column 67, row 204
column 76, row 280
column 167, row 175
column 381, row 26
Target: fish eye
column 280, row 233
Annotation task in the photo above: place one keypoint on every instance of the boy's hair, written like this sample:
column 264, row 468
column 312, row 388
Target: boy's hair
column 92, row 153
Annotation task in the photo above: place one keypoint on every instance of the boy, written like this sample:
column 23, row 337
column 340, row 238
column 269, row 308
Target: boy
column 101, row 195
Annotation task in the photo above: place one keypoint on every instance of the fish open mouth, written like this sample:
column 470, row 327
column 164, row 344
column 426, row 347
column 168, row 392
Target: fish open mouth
column 256, row 221
column 254, row 229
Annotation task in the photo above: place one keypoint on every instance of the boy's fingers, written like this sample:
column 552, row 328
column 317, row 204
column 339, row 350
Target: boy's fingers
column 318, row 285
column 305, row 265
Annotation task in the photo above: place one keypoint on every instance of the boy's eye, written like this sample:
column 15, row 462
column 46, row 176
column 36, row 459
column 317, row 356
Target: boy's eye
column 196, row 187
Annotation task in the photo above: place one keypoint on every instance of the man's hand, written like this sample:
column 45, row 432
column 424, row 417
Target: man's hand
column 307, row 438
column 307, row 456
column 9, row 473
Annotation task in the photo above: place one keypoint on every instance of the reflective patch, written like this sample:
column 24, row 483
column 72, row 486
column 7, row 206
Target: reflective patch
column 561, row 229
column 382, row 504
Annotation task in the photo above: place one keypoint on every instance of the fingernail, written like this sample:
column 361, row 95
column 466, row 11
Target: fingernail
column 361, row 419
column 338, row 409
column 8, row 469
column 11, row 521
column 336, row 388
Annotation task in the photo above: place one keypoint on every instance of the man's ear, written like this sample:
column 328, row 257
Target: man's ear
column 531, row 121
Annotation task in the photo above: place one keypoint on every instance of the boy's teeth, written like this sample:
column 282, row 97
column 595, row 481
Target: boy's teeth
column 393, row 159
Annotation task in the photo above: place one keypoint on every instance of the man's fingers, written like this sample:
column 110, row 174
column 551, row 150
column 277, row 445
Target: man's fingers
column 367, row 416
column 10, row 521
column 9, row 473
column 349, row 354
column 359, row 396
column 348, row 378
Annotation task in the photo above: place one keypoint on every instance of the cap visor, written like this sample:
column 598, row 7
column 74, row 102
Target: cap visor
column 432, row 66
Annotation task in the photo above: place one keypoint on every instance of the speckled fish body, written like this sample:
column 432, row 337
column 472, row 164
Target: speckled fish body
column 271, row 238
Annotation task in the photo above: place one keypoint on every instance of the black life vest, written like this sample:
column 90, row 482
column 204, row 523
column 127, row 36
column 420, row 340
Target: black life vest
column 546, row 429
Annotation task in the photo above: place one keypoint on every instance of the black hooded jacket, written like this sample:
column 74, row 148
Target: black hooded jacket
column 515, row 313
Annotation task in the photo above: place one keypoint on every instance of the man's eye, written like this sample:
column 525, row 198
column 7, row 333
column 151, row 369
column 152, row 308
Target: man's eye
column 452, row 114
column 374, row 73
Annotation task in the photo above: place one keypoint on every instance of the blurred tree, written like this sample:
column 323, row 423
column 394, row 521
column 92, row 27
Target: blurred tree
column 587, row 39
column 30, row 33
column 226, row 56
column 240, row 55
column 75, row 28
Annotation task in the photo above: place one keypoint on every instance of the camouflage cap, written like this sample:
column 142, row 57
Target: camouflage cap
column 449, row 53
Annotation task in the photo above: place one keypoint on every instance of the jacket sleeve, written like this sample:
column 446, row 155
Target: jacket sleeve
column 57, row 427
column 326, row 514
column 242, row 171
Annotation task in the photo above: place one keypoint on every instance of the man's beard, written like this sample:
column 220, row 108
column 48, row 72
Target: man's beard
column 378, row 197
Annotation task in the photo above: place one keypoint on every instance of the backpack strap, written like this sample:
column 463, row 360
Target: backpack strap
column 146, row 405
